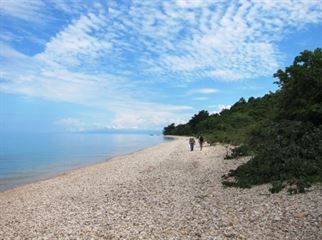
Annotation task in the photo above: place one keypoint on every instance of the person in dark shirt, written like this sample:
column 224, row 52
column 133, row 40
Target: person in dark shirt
column 201, row 140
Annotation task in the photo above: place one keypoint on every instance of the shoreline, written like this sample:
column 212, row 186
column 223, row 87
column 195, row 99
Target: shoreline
column 49, row 176
column 161, row 192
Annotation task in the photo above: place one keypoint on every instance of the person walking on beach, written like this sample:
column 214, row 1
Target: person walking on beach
column 191, row 143
column 200, row 142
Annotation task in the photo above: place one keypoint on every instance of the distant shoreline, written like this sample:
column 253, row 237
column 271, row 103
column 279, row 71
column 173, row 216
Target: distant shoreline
column 34, row 177
column 161, row 192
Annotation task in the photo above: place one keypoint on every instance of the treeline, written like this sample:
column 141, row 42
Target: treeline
column 282, row 131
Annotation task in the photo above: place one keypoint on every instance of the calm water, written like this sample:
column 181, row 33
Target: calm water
column 26, row 158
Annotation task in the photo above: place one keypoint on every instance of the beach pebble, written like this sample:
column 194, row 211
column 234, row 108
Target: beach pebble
column 163, row 192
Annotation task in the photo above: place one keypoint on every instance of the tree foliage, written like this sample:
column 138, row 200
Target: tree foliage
column 282, row 130
column 169, row 129
column 197, row 118
column 291, row 153
column 301, row 85
column 233, row 125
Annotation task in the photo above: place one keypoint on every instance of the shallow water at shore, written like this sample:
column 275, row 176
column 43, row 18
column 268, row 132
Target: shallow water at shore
column 26, row 158
column 162, row 192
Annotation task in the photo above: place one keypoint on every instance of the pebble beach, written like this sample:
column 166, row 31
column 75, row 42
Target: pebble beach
column 162, row 192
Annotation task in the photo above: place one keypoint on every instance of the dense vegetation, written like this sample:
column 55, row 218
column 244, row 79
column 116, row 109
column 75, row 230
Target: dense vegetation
column 282, row 130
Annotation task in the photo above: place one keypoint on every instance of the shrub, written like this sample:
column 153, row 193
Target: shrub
column 292, row 154
column 240, row 151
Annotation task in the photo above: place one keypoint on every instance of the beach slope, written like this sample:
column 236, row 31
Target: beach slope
column 163, row 192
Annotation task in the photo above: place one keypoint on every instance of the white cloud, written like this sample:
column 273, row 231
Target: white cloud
column 192, row 3
column 142, row 114
column 107, row 92
column 104, row 56
column 226, row 43
column 191, row 39
column 7, row 53
column 24, row 9
column 201, row 91
column 39, row 11
column 218, row 108
column 70, row 6
column 204, row 91
column 78, row 44
column 200, row 98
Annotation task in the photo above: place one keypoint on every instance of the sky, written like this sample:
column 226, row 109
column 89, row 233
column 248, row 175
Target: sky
column 76, row 65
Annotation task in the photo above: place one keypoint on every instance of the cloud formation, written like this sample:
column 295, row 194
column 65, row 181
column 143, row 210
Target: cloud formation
column 112, row 54
column 203, row 91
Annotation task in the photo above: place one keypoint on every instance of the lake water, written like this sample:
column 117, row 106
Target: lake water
column 26, row 158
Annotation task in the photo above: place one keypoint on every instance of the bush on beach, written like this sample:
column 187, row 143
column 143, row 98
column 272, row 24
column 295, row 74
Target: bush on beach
column 282, row 130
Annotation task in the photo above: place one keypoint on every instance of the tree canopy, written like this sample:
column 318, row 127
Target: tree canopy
column 282, row 131
column 301, row 85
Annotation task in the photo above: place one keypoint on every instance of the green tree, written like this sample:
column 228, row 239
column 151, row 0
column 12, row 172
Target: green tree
column 289, row 149
column 197, row 118
column 301, row 88
column 282, row 130
column 169, row 129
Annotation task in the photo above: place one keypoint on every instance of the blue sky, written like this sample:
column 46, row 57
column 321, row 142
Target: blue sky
column 81, row 65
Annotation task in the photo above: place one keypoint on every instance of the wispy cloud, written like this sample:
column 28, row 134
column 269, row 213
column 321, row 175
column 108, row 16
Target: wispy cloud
column 200, row 98
column 111, row 55
column 31, row 11
column 40, row 11
column 192, row 39
column 203, row 91
column 197, row 39
column 107, row 92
